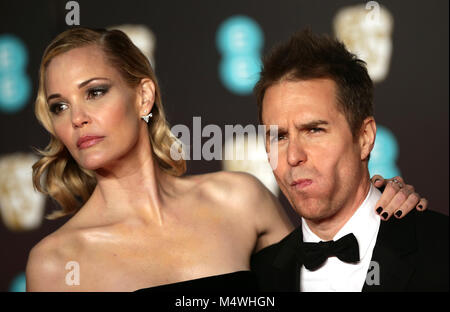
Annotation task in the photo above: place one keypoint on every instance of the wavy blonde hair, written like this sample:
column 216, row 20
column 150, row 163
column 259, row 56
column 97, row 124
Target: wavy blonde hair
column 56, row 173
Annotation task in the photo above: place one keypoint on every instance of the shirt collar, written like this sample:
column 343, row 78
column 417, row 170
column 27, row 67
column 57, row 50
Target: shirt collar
column 363, row 224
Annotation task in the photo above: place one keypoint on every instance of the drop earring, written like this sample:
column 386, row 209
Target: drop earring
column 146, row 117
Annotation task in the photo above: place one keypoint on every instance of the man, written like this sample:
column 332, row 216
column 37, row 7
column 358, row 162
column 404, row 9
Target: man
column 320, row 97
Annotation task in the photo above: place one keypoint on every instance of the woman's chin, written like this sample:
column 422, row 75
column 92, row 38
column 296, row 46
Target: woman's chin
column 92, row 164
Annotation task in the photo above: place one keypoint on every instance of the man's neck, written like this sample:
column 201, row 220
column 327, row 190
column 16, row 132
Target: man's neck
column 327, row 228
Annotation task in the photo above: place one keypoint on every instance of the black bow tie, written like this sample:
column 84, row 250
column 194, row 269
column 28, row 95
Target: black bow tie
column 313, row 255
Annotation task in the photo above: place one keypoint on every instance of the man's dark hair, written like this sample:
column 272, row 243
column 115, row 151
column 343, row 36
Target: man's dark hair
column 308, row 56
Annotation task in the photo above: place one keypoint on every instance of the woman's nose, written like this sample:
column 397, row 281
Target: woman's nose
column 79, row 117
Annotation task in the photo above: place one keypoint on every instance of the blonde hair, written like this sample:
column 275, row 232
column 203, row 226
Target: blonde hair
column 57, row 174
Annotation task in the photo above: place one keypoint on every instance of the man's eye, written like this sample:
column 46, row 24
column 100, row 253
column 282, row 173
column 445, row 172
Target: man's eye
column 278, row 138
column 56, row 108
column 96, row 92
column 316, row 130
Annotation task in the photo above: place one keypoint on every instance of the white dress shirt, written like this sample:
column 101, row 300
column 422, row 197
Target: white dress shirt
column 335, row 275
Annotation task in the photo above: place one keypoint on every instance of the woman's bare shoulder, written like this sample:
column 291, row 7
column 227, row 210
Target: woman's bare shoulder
column 246, row 197
column 228, row 185
column 42, row 265
column 47, row 261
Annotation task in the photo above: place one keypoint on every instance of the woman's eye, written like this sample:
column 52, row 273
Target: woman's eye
column 56, row 108
column 96, row 92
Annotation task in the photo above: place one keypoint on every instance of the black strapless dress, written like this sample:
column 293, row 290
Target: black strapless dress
column 239, row 281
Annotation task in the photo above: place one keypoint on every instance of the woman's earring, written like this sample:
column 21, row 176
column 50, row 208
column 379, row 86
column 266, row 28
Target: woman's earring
column 146, row 117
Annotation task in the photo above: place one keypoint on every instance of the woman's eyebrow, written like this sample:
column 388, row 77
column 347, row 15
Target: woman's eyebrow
column 56, row 95
column 81, row 85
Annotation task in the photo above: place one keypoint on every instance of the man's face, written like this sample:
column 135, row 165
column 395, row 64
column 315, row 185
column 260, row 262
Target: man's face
column 319, row 163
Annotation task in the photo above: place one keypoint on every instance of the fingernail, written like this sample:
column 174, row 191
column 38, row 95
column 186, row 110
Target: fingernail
column 379, row 210
column 385, row 215
column 420, row 207
column 398, row 213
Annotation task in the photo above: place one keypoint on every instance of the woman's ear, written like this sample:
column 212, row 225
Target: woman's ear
column 367, row 137
column 146, row 96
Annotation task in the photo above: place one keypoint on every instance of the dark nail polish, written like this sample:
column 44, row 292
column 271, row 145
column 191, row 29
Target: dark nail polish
column 379, row 210
column 398, row 213
column 385, row 215
column 420, row 207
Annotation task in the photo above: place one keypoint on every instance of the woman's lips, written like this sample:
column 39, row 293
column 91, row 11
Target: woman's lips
column 89, row 142
column 301, row 183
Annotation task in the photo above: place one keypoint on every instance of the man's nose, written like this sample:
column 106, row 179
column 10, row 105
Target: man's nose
column 296, row 154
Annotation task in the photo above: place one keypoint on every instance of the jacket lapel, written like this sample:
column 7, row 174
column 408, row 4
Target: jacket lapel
column 286, row 262
column 396, row 243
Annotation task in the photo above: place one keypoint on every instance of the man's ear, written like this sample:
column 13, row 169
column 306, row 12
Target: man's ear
column 367, row 137
column 146, row 96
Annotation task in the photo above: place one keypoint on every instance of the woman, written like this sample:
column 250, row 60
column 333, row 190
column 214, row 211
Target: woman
column 137, row 222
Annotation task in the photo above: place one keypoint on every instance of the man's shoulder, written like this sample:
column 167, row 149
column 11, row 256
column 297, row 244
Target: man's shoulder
column 427, row 224
column 275, row 265
column 426, row 230
column 268, row 255
column 430, row 257
column 420, row 242
column 430, row 218
column 432, row 230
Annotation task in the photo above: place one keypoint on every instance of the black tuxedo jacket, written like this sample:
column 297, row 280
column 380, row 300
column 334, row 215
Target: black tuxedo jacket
column 412, row 254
